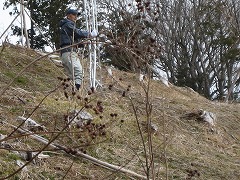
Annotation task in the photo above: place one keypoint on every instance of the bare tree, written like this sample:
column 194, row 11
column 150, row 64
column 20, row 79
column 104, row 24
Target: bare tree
column 194, row 42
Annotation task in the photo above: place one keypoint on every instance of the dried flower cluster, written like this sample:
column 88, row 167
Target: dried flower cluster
column 192, row 174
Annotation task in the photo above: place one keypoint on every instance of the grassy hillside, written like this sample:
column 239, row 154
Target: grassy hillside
column 182, row 147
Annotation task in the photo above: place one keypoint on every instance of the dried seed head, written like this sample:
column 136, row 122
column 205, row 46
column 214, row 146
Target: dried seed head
column 90, row 106
column 86, row 106
column 140, row 8
column 94, row 134
column 110, row 87
column 66, row 94
column 99, row 103
column 152, row 40
column 65, row 117
column 100, row 109
column 74, row 152
column 147, row 3
column 112, row 115
column 92, row 89
column 67, row 150
column 103, row 133
column 60, row 78
column 89, row 93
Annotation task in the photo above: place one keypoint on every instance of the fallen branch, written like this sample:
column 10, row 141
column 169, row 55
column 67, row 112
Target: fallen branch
column 79, row 153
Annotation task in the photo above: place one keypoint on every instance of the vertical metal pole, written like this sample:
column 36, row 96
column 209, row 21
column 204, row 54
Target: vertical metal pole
column 21, row 16
column 24, row 25
column 94, row 45
column 87, row 8
column 86, row 14
column 91, row 23
column 85, row 5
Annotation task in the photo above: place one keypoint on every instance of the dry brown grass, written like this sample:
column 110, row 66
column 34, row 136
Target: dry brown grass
column 185, row 144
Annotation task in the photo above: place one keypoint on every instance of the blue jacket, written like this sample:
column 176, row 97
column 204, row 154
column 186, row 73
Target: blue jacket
column 67, row 30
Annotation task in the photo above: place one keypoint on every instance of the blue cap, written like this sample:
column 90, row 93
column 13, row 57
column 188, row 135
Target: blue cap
column 72, row 11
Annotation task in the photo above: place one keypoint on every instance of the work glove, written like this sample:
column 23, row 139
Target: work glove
column 94, row 33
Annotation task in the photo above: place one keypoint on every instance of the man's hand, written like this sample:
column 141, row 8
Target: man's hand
column 94, row 33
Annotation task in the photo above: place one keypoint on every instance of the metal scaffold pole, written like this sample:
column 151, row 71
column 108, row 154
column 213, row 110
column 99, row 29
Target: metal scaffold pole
column 90, row 9
column 23, row 24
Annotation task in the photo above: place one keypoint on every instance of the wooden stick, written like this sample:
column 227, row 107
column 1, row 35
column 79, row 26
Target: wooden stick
column 79, row 153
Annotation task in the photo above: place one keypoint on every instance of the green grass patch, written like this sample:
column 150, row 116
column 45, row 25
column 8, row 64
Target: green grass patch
column 12, row 156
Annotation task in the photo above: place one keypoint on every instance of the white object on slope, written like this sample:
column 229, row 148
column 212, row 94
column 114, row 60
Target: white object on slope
column 109, row 70
column 164, row 81
column 141, row 77
column 208, row 117
column 80, row 117
column 29, row 122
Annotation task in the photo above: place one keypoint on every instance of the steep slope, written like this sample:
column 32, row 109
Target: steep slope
column 180, row 145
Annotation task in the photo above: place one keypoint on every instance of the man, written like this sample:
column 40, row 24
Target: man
column 69, row 35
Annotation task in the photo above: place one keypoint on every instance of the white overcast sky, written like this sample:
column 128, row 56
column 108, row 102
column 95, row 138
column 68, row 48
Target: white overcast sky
column 5, row 21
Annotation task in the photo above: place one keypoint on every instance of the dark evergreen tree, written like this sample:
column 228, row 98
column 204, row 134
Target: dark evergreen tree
column 46, row 15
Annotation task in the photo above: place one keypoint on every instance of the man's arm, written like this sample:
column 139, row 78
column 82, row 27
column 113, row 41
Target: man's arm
column 77, row 32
